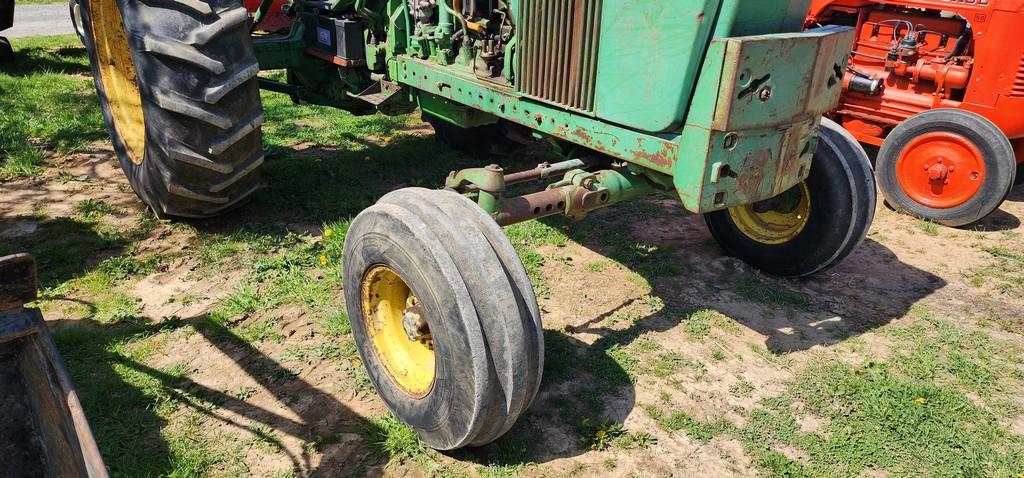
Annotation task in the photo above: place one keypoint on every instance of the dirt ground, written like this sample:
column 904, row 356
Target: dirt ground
column 730, row 337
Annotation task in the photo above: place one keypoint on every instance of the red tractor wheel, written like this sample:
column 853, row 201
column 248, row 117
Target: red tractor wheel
column 950, row 166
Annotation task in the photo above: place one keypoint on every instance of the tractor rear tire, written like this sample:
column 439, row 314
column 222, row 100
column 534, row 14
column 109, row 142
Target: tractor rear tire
column 953, row 167
column 416, row 262
column 813, row 226
column 177, row 84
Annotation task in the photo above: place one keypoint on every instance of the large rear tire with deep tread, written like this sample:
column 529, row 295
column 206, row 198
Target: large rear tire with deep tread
column 194, row 74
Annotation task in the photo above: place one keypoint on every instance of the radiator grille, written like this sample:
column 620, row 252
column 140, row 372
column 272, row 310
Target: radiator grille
column 558, row 51
column 1018, row 81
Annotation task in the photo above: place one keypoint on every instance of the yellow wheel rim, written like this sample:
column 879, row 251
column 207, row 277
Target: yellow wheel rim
column 398, row 331
column 117, row 74
column 777, row 220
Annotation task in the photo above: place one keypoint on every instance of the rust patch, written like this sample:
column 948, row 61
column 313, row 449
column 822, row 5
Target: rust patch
column 664, row 157
column 751, row 175
column 583, row 136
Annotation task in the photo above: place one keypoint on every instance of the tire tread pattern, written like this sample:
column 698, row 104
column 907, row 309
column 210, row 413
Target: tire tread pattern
column 197, row 76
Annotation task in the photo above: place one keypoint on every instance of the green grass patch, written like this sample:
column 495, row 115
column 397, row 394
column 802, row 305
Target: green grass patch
column 395, row 438
column 48, row 104
column 1006, row 272
column 681, row 421
column 130, row 404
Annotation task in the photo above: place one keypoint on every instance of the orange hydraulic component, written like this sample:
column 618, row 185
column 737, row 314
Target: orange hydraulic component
column 912, row 56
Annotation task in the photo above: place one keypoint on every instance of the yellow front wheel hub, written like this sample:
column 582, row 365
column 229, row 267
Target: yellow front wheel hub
column 398, row 331
column 117, row 74
column 777, row 220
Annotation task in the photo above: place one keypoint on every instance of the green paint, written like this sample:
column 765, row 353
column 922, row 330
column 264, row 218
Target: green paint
column 660, row 39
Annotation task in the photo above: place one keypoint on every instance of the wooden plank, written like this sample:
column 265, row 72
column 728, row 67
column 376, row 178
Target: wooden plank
column 17, row 281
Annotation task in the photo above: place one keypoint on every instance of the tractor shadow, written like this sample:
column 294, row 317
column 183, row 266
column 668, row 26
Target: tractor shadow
column 123, row 416
column 28, row 61
column 687, row 270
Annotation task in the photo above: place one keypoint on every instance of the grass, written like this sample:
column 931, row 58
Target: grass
column 48, row 105
column 878, row 420
column 396, row 439
column 770, row 293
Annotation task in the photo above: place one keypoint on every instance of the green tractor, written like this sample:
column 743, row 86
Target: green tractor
column 717, row 103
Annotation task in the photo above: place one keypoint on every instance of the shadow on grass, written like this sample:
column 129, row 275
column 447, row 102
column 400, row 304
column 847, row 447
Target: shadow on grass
column 307, row 188
column 688, row 271
column 39, row 58
column 65, row 247
column 122, row 396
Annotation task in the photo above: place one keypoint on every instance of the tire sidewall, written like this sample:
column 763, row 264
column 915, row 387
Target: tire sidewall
column 438, row 413
column 997, row 156
column 137, row 174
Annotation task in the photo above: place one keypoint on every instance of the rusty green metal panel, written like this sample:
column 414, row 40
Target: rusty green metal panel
column 654, row 152
column 780, row 79
column 754, row 120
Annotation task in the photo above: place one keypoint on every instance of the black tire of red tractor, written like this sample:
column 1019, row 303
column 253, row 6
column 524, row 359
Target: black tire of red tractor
column 502, row 291
column 482, row 331
column 196, row 72
column 843, row 199
column 6, row 51
column 997, row 153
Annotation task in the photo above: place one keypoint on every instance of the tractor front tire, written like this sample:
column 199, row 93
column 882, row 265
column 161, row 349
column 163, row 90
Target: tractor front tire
column 178, row 89
column 953, row 167
column 814, row 225
column 443, row 316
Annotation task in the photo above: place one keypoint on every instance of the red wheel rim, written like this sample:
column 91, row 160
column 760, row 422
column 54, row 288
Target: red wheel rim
column 940, row 169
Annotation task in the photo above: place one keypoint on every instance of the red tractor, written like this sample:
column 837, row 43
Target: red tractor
column 938, row 85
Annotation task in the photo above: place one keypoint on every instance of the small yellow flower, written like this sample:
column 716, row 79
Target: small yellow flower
column 920, row 400
column 599, row 434
column 328, row 232
column 323, row 260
